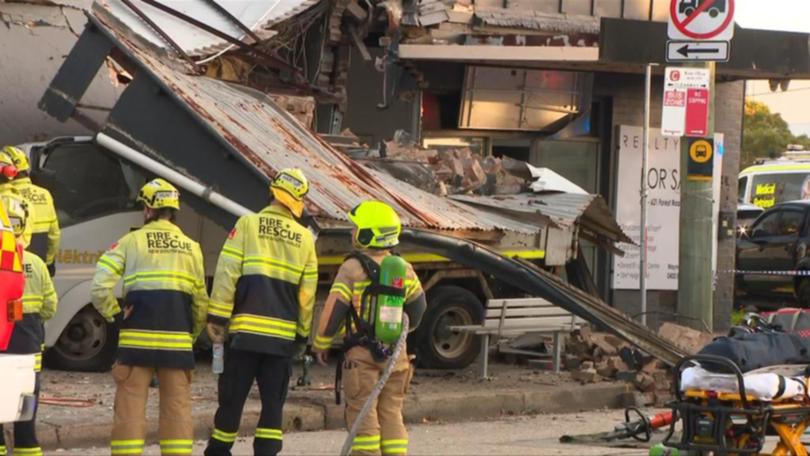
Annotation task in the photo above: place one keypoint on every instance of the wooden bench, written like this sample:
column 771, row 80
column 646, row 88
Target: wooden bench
column 507, row 319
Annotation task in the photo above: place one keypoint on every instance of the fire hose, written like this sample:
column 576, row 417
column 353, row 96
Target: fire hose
column 372, row 398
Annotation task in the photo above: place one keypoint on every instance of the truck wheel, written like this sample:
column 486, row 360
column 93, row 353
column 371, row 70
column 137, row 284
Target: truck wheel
column 88, row 344
column 437, row 346
column 803, row 294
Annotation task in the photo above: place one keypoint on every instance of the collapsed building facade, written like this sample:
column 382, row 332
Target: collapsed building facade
column 553, row 83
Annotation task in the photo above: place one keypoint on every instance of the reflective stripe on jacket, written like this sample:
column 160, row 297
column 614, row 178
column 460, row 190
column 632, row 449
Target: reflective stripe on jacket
column 45, row 233
column 39, row 296
column 265, row 282
column 164, row 283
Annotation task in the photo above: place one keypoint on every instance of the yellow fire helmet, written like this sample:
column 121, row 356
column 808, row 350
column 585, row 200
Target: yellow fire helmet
column 378, row 225
column 17, row 211
column 18, row 157
column 289, row 187
column 159, row 194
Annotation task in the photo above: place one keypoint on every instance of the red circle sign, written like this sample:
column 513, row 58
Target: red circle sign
column 682, row 25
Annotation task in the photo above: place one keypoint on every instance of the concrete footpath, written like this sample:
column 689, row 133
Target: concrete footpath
column 435, row 396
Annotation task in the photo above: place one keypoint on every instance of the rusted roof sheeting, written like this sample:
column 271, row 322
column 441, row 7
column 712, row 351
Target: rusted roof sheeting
column 271, row 139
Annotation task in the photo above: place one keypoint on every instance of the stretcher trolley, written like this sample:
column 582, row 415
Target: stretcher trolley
column 726, row 412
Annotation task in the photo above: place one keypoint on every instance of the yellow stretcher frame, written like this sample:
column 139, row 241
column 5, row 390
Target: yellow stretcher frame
column 789, row 433
column 788, row 417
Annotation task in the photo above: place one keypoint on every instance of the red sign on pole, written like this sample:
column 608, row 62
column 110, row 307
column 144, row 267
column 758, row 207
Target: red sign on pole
column 697, row 112
column 686, row 102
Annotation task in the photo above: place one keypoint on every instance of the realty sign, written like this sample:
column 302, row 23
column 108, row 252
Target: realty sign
column 686, row 102
column 701, row 20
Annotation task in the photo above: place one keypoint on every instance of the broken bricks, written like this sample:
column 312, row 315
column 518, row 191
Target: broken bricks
column 687, row 339
column 594, row 356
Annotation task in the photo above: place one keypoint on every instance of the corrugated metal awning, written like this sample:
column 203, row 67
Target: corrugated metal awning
column 563, row 209
column 266, row 137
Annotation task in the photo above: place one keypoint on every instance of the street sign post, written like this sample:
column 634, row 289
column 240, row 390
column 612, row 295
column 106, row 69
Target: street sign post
column 686, row 102
column 700, row 30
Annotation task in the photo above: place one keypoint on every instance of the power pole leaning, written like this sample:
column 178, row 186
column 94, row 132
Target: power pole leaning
column 695, row 277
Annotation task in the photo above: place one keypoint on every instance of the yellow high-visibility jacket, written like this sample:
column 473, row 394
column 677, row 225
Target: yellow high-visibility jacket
column 265, row 283
column 39, row 305
column 45, row 233
column 39, row 296
column 164, row 284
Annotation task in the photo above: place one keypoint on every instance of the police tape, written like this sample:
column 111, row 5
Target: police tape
column 797, row 273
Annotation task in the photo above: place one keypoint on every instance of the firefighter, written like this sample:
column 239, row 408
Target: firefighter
column 264, row 290
column 39, row 304
column 45, row 233
column 376, row 230
column 164, row 307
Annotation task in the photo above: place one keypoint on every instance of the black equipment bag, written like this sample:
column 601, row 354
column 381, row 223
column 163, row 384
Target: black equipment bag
column 756, row 350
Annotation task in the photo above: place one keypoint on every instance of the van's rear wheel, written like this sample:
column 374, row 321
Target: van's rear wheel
column 436, row 345
column 87, row 344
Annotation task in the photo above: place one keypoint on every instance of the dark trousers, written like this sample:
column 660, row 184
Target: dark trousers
column 25, row 433
column 272, row 373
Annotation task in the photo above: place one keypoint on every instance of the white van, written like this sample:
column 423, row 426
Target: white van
column 94, row 192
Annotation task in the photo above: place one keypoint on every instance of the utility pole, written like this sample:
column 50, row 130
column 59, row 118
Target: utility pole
column 645, row 153
column 695, row 281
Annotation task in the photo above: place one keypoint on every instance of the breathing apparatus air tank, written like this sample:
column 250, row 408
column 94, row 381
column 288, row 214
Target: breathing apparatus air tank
column 388, row 321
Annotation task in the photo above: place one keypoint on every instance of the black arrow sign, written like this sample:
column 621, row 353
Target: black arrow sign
column 685, row 50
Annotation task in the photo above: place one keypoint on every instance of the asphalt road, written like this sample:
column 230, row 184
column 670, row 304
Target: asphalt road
column 536, row 435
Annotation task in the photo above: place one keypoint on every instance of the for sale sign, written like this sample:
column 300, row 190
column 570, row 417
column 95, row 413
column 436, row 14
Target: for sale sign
column 686, row 102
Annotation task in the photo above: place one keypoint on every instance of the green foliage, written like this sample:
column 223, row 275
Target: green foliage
column 765, row 134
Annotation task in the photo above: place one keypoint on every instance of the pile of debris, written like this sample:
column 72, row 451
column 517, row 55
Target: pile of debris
column 593, row 356
column 459, row 170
